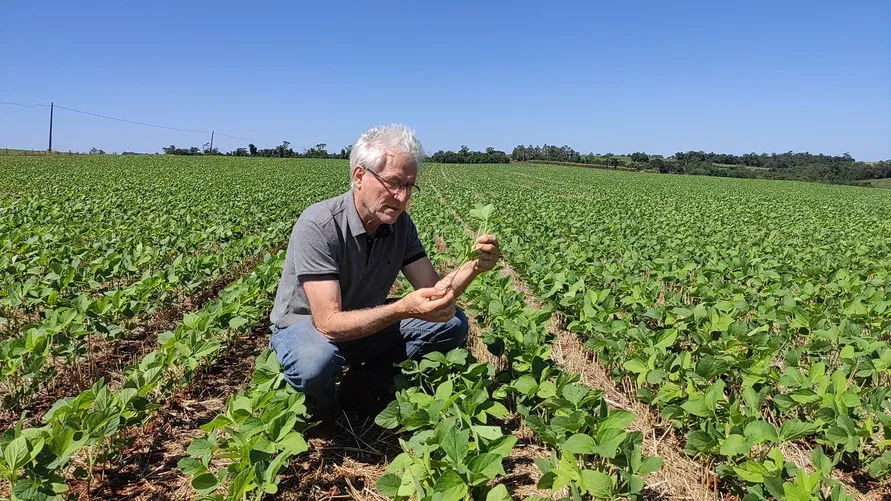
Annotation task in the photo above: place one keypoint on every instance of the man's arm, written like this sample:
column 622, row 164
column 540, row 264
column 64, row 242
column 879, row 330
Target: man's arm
column 420, row 273
column 326, row 307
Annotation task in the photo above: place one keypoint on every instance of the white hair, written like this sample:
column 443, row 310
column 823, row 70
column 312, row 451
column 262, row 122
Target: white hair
column 371, row 149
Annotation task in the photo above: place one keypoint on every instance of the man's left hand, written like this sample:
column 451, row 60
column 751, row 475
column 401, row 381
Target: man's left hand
column 489, row 254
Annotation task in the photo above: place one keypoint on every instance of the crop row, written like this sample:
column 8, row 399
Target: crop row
column 86, row 260
column 245, row 447
column 738, row 376
column 449, row 400
column 85, row 429
column 79, row 225
column 64, row 334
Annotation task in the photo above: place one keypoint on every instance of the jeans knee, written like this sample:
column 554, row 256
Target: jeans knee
column 458, row 329
column 309, row 361
column 314, row 375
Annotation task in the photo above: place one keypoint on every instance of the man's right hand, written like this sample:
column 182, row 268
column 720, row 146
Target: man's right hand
column 433, row 304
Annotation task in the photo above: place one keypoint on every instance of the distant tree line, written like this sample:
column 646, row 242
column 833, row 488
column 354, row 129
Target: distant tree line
column 801, row 166
column 283, row 150
column 843, row 169
column 465, row 156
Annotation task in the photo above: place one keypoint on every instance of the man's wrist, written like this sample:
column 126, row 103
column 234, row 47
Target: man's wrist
column 396, row 310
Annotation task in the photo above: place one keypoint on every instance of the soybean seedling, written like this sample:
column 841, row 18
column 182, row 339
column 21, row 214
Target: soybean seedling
column 482, row 215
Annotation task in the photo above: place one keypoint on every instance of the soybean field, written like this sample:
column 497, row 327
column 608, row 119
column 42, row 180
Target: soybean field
column 646, row 336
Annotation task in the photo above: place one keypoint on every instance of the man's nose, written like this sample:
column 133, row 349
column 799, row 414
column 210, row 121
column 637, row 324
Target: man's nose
column 403, row 194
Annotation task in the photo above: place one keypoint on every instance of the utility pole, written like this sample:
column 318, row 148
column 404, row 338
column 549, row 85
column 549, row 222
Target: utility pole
column 211, row 142
column 50, row 149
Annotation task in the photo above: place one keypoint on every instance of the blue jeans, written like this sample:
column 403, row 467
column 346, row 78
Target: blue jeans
column 312, row 363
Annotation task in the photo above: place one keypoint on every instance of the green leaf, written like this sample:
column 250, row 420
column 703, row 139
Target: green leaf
column 497, row 410
column 503, row 445
column 498, row 493
column 597, row 483
column 525, row 384
column 699, row 441
column 649, row 465
column 758, row 432
column 205, row 483
column 608, row 442
column 751, row 471
column 793, row 429
column 190, row 466
column 618, row 419
column 388, row 485
column 454, row 443
column 487, row 464
column 795, row 492
column 389, row 417
column 487, row 432
column 696, row 406
column 579, row 444
column 735, row 445
column 821, row 462
column 16, row 453
column 444, row 390
column 880, row 466
column 635, row 365
column 450, row 486
column 293, row 443
column 547, row 389
column 238, row 322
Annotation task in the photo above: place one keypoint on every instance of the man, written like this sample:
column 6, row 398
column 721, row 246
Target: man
column 331, row 307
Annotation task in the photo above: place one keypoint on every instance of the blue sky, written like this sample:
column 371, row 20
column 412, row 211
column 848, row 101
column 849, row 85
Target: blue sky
column 599, row 76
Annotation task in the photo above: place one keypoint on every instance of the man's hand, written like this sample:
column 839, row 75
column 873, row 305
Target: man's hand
column 489, row 254
column 433, row 304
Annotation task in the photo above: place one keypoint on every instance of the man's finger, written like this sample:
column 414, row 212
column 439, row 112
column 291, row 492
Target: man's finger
column 489, row 256
column 431, row 292
column 442, row 295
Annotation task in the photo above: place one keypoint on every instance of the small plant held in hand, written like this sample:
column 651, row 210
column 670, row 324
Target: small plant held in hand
column 482, row 215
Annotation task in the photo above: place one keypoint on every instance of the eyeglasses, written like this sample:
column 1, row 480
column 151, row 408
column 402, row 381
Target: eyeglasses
column 396, row 186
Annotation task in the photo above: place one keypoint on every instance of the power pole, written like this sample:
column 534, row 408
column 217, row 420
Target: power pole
column 211, row 142
column 50, row 149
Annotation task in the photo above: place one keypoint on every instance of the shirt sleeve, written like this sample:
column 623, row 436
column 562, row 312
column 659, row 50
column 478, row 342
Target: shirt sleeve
column 414, row 249
column 314, row 252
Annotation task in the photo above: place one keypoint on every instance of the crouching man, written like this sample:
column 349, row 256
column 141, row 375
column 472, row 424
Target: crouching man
column 331, row 308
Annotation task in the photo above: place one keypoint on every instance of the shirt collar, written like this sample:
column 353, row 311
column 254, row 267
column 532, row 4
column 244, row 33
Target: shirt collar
column 356, row 226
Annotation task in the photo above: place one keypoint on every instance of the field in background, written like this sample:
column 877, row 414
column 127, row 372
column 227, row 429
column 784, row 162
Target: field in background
column 751, row 319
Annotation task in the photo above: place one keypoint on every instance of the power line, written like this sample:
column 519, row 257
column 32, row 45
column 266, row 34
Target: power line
column 24, row 105
column 236, row 137
column 134, row 122
column 124, row 120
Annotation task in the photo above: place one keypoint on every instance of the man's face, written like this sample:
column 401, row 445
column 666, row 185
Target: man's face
column 385, row 195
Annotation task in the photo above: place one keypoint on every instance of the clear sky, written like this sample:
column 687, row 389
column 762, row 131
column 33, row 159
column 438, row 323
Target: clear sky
column 660, row 77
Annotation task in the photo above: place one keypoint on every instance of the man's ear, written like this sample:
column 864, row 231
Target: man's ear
column 356, row 175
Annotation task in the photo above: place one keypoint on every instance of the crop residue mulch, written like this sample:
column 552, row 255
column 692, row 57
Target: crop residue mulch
column 147, row 470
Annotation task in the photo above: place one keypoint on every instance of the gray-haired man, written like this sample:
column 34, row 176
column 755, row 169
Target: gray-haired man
column 331, row 308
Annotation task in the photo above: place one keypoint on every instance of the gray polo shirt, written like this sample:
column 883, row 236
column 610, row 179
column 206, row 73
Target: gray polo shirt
column 329, row 242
